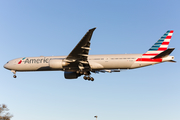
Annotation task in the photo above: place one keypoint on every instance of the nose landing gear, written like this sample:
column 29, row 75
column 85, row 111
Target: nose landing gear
column 14, row 72
column 14, row 76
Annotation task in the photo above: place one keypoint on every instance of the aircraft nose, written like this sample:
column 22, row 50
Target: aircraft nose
column 6, row 66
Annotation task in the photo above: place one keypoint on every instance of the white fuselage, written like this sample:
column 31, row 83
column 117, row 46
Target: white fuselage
column 96, row 62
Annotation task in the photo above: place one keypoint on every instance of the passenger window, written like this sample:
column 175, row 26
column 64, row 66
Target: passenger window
column 97, row 59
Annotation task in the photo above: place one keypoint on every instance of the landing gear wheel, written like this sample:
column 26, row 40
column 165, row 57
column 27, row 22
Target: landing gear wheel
column 85, row 78
column 92, row 79
column 81, row 72
column 88, row 78
column 14, row 76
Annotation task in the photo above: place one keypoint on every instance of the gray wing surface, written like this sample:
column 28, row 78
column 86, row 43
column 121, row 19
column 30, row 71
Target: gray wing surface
column 82, row 48
column 77, row 59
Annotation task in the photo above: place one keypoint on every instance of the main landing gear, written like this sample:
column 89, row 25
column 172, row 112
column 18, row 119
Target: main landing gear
column 14, row 72
column 86, row 75
column 88, row 78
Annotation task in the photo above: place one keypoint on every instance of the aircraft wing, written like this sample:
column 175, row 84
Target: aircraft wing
column 77, row 59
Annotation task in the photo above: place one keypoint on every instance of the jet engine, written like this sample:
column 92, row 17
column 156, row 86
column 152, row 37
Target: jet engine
column 71, row 75
column 57, row 63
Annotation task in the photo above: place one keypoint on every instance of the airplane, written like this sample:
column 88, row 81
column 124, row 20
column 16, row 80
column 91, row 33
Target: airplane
column 79, row 62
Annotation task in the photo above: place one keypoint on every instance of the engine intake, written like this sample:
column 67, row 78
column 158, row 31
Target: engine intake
column 71, row 75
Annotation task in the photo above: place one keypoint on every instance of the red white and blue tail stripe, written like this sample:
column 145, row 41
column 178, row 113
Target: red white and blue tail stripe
column 160, row 46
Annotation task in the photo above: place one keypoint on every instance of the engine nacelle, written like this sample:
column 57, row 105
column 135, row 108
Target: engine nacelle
column 71, row 75
column 57, row 64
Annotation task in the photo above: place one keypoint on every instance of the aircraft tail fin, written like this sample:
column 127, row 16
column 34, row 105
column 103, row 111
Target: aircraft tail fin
column 160, row 46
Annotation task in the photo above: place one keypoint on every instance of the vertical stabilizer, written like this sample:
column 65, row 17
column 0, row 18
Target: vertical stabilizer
column 160, row 46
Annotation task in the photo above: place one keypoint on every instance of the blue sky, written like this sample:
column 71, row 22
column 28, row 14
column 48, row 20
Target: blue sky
column 42, row 27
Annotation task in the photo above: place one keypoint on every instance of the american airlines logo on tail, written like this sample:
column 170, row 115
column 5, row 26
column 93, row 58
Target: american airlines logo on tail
column 160, row 46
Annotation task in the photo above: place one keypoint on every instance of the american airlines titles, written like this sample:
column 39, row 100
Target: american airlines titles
column 37, row 61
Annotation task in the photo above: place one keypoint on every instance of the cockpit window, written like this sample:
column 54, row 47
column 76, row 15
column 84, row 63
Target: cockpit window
column 8, row 62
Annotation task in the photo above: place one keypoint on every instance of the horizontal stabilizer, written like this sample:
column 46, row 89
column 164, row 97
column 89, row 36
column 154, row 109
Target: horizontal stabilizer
column 172, row 61
column 164, row 53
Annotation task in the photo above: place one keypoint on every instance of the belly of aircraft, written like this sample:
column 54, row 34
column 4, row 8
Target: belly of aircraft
column 115, row 64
